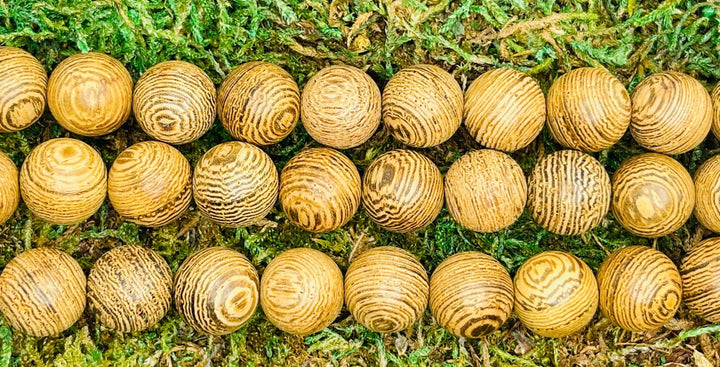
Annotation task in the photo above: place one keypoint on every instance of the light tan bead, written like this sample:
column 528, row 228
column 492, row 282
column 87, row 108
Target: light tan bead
column 715, row 98
column 23, row 89
column 700, row 272
column 9, row 188
column 707, row 194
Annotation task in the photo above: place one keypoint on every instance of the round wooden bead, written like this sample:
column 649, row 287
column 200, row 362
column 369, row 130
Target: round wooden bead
column 715, row 98
column 671, row 114
column 150, row 184
column 640, row 288
column 341, row 106
column 402, row 191
column 259, row 103
column 653, row 195
column 588, row 109
column 235, row 184
column 422, row 106
column 23, row 89
column 471, row 294
column 485, row 190
column 569, row 192
column 301, row 291
column 129, row 288
column 700, row 272
column 9, row 188
column 174, row 102
column 319, row 189
column 63, row 181
column 386, row 289
column 707, row 194
column 504, row 109
column 90, row 94
column 42, row 292
column 216, row 290
column 556, row 294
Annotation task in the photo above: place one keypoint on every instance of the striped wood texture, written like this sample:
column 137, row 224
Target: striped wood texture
column 9, row 188
column 23, row 91
column 700, row 272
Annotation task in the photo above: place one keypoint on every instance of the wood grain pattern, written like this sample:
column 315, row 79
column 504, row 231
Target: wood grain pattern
column 9, row 188
column 504, row 109
column 341, row 107
column 640, row 288
column 715, row 99
column 150, row 184
column 422, row 106
column 588, row 109
column 672, row 113
column 42, row 292
column 556, row 294
column 129, row 288
column 259, row 103
column 653, row 195
column 217, row 290
column 320, row 189
column 485, row 190
column 302, row 291
column 707, row 194
column 174, row 102
column 700, row 272
column 471, row 294
column 63, row 181
column 23, row 91
column 569, row 192
column 402, row 191
column 386, row 289
column 90, row 94
column 235, row 184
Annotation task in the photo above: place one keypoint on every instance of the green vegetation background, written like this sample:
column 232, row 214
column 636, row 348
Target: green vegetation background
column 544, row 38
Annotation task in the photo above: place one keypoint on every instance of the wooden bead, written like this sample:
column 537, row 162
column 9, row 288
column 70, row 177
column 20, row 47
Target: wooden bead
column 90, row 94
column 588, row 109
column 640, row 288
column 341, row 107
column 9, row 188
column 700, row 272
column 42, row 292
column 504, row 109
column 174, row 102
column 671, row 114
column 259, row 103
column 129, row 288
column 556, row 294
column 485, row 190
column 715, row 98
column 319, row 189
column 569, row 192
column 471, row 294
column 216, row 290
column 402, row 191
column 707, row 194
column 422, row 106
column 150, row 184
column 23, row 89
column 63, row 181
column 301, row 291
column 653, row 195
column 235, row 184
column 386, row 289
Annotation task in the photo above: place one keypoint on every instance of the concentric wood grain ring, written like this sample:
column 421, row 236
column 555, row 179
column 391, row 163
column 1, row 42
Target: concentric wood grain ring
column 700, row 271
column 63, row 181
column 422, row 106
column 588, row 109
column 707, row 194
column 715, row 98
column 301, row 291
column 217, row 290
column 319, row 189
column 23, row 89
column 653, row 195
column 569, row 192
column 150, row 184
column 504, row 109
column 235, row 184
column 174, row 102
column 471, row 294
column 672, row 113
column 9, row 188
column 640, row 288
column 386, row 289
column 42, row 292
column 341, row 106
column 556, row 294
column 402, row 191
column 90, row 94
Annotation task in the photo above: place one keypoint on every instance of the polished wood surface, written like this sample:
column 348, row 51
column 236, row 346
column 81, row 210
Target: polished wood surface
column 700, row 272
column 9, row 188
column 23, row 91
column 707, row 194
column 715, row 99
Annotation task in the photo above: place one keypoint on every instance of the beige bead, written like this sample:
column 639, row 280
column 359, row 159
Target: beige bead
column 707, row 194
column 700, row 272
column 9, row 187
column 715, row 98
column 23, row 89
